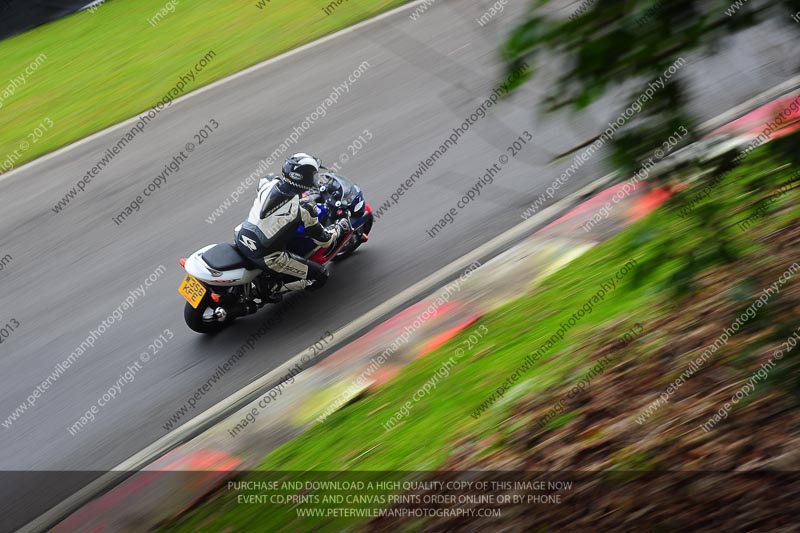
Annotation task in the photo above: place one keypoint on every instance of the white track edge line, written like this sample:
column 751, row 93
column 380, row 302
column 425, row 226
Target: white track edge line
column 215, row 84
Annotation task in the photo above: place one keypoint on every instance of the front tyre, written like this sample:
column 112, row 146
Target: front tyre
column 351, row 247
column 202, row 319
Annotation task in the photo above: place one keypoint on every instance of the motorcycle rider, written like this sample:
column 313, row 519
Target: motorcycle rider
column 278, row 210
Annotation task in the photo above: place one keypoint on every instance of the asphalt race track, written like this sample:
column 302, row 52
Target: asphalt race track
column 70, row 270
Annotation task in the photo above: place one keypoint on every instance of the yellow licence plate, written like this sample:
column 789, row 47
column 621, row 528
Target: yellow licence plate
column 192, row 290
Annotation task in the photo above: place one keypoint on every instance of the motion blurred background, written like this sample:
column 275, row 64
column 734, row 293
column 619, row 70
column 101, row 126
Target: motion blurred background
column 692, row 194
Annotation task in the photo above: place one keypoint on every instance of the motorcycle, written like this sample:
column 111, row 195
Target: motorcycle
column 221, row 284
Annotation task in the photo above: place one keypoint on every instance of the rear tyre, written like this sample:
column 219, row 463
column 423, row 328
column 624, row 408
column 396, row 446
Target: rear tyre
column 196, row 322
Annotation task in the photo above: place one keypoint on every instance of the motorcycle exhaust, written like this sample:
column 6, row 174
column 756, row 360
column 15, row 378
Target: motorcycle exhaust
column 235, row 311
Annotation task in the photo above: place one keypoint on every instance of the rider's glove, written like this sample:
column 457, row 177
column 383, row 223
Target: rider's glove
column 344, row 225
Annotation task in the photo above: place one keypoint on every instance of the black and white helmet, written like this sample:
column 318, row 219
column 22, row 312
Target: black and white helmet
column 300, row 171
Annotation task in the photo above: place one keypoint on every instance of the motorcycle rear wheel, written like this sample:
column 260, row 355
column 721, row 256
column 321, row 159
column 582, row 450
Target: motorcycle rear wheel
column 194, row 318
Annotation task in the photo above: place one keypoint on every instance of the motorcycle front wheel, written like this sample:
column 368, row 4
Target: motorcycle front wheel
column 352, row 246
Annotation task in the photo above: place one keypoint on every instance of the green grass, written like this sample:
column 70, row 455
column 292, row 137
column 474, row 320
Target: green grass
column 354, row 439
column 426, row 437
column 107, row 66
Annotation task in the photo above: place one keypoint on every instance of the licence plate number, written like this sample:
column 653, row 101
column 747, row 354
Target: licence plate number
column 192, row 290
